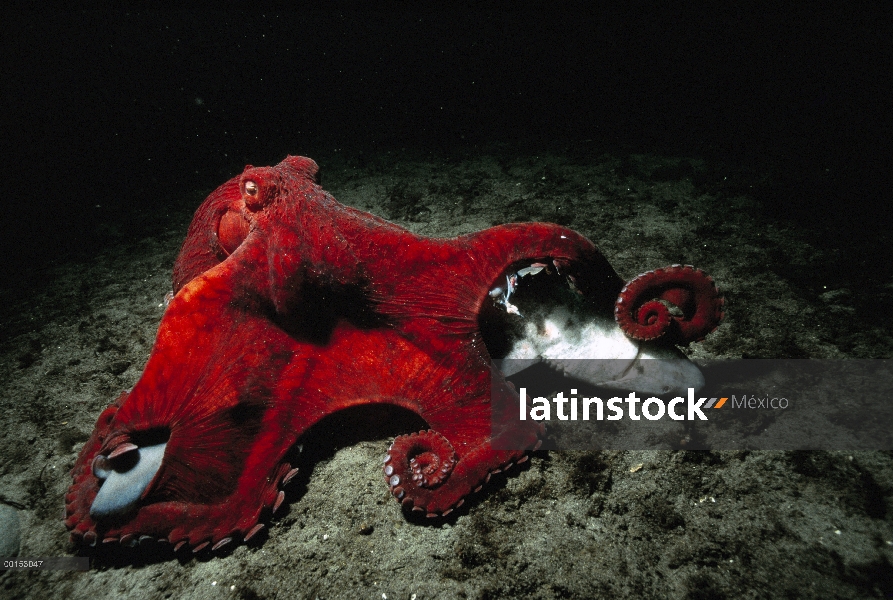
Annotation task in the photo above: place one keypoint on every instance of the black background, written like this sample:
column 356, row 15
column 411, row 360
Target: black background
column 105, row 113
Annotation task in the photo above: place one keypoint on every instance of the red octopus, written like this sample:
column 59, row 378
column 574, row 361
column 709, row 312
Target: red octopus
column 289, row 306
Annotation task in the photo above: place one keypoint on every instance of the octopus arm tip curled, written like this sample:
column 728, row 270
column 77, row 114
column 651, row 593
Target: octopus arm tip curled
column 679, row 304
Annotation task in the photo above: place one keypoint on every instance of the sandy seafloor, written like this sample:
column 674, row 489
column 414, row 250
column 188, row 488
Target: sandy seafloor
column 676, row 524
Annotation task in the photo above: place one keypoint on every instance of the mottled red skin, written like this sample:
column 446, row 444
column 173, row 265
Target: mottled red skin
column 289, row 306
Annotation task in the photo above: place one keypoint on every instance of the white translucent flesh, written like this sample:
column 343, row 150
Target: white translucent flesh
column 624, row 363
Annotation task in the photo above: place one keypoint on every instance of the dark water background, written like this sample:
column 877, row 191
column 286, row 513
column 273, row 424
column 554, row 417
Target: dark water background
column 116, row 117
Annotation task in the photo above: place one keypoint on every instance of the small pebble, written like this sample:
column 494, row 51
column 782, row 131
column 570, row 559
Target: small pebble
column 10, row 531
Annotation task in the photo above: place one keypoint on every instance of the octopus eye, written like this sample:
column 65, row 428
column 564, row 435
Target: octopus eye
column 257, row 190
